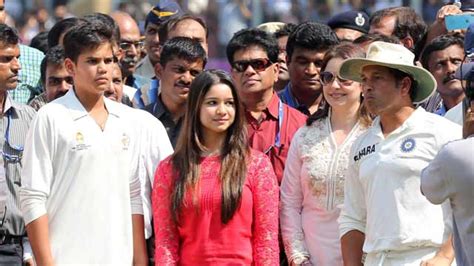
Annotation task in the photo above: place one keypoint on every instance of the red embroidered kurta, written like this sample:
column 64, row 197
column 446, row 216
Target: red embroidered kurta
column 250, row 237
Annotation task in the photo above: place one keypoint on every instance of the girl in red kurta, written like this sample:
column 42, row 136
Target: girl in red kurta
column 215, row 201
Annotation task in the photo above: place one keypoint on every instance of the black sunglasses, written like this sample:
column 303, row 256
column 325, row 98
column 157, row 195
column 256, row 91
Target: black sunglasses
column 127, row 45
column 327, row 78
column 258, row 65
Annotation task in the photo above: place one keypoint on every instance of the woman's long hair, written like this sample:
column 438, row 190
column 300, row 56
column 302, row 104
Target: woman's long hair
column 343, row 51
column 187, row 156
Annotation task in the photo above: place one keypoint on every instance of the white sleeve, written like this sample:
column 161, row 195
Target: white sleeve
column 291, row 204
column 434, row 180
column 354, row 213
column 135, row 184
column 37, row 169
column 155, row 147
column 160, row 148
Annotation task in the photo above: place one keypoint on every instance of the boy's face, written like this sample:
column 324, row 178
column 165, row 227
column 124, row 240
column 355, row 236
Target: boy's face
column 92, row 73
column 176, row 77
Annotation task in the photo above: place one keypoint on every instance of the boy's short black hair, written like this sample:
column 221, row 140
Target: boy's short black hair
column 311, row 36
column 108, row 21
column 85, row 37
column 8, row 35
column 253, row 37
column 182, row 48
column 54, row 56
column 61, row 27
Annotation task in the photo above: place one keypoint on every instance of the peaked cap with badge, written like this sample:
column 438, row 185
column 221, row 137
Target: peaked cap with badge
column 354, row 20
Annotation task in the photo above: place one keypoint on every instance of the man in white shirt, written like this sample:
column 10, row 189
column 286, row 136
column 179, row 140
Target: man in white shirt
column 81, row 192
column 384, row 214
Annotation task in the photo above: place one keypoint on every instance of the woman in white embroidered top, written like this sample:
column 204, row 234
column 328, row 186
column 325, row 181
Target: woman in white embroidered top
column 312, row 190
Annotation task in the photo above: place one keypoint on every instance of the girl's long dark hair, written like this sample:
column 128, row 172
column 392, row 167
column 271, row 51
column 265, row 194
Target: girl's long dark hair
column 343, row 51
column 187, row 156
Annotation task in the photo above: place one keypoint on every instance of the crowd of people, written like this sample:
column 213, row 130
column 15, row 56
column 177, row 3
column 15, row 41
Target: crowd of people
column 346, row 143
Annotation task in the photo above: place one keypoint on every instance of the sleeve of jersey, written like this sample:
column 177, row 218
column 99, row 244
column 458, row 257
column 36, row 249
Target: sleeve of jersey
column 291, row 205
column 354, row 213
column 434, row 180
column 135, row 186
column 37, row 170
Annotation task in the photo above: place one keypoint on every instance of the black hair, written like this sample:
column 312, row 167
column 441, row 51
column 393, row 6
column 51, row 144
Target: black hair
column 440, row 43
column 60, row 28
column 285, row 31
column 107, row 21
column 182, row 48
column 8, row 35
column 54, row 56
column 84, row 37
column 312, row 36
column 171, row 24
column 40, row 41
column 253, row 37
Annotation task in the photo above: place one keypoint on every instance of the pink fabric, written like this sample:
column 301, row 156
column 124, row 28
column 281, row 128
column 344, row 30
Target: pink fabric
column 250, row 237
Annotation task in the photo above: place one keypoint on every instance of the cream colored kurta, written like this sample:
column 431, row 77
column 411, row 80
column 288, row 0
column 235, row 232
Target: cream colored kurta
column 312, row 193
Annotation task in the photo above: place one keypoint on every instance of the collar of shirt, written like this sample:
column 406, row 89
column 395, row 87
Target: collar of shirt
column 77, row 110
column 288, row 98
column 411, row 121
column 160, row 109
column 270, row 112
column 441, row 110
column 10, row 104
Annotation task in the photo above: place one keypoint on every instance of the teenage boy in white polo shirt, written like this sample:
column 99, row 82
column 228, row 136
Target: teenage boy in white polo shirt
column 384, row 214
column 81, row 193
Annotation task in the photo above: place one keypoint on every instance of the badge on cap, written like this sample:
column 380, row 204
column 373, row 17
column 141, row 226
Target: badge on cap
column 408, row 145
column 359, row 20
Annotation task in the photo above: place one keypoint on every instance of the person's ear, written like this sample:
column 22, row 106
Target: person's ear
column 408, row 42
column 70, row 66
column 158, row 70
column 276, row 70
column 405, row 87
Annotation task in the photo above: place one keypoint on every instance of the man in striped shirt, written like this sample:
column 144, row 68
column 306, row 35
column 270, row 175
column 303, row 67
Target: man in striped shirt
column 14, row 122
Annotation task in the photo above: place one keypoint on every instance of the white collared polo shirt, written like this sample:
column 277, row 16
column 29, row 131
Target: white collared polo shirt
column 382, row 189
column 85, row 180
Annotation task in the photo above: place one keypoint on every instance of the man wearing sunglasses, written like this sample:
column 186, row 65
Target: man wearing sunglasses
column 253, row 55
column 54, row 76
column 130, row 48
column 14, row 121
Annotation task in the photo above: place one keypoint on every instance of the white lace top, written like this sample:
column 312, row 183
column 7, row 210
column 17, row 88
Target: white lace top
column 312, row 193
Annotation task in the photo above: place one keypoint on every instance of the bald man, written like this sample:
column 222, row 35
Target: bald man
column 130, row 47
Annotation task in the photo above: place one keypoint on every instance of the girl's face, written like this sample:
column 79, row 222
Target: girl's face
column 217, row 112
column 339, row 92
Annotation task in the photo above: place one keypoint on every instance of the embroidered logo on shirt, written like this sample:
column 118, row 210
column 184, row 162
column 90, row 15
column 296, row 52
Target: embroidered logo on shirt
column 125, row 141
column 80, row 142
column 365, row 151
column 408, row 145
